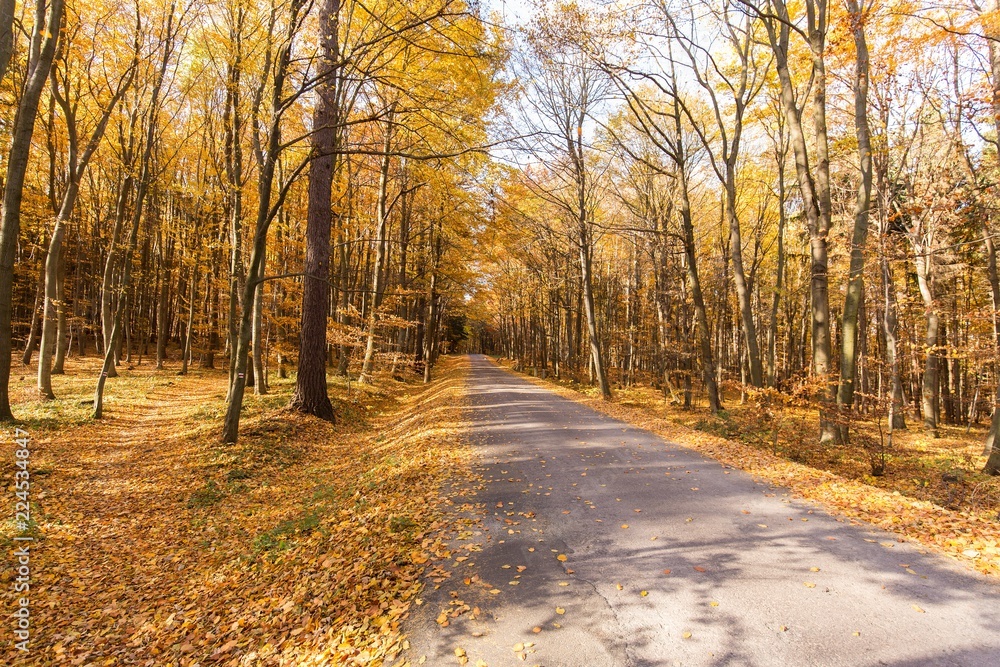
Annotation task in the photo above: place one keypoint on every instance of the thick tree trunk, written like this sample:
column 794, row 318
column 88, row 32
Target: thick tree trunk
column 814, row 185
column 54, row 309
column 44, row 35
column 310, row 386
column 6, row 35
column 855, row 285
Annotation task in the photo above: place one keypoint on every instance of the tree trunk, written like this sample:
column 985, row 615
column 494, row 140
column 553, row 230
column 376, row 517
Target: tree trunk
column 310, row 385
column 142, row 187
column 779, row 279
column 260, row 386
column 266, row 211
column 897, row 416
column 929, row 386
column 993, row 44
column 814, row 185
column 596, row 357
column 189, row 333
column 162, row 308
column 855, row 285
column 44, row 35
column 37, row 313
column 381, row 258
column 62, row 326
column 742, row 287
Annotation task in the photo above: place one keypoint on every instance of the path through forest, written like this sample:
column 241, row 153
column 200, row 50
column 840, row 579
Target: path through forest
column 604, row 545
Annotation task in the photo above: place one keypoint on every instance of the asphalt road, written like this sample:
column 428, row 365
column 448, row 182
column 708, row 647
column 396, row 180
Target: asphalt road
column 603, row 545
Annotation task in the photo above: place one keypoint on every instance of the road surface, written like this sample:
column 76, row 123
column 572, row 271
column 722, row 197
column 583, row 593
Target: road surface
column 603, row 545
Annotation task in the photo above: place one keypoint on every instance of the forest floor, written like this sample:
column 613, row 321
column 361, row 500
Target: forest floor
column 302, row 544
column 932, row 490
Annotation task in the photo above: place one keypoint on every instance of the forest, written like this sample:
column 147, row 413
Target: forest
column 693, row 195
column 271, row 209
column 757, row 201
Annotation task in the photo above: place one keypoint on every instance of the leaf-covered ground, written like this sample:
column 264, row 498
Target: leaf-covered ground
column 304, row 544
column 932, row 491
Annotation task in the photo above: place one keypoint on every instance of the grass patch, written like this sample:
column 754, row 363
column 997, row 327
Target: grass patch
column 281, row 537
column 206, row 496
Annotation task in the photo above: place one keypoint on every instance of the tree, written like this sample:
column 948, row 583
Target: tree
column 563, row 89
column 269, row 148
column 855, row 285
column 813, row 172
column 41, row 51
column 66, row 91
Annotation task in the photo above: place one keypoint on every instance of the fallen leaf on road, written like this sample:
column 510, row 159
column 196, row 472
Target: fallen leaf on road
column 560, row 611
column 918, row 609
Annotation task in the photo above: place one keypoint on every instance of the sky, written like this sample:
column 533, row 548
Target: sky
column 511, row 11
